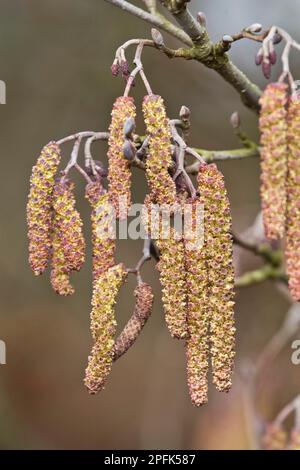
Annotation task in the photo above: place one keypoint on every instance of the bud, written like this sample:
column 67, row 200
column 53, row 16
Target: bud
column 103, row 327
column 226, row 38
column 115, row 69
column 103, row 241
column 273, row 57
column 142, row 311
column 259, row 57
column 129, row 127
column 163, row 189
column 273, row 128
column 277, row 38
column 235, row 120
column 129, row 150
column 266, row 68
column 157, row 37
column 39, row 207
column 275, row 437
column 219, row 255
column 124, row 69
column 201, row 18
column 293, row 197
column 184, row 113
column 254, row 28
column 119, row 174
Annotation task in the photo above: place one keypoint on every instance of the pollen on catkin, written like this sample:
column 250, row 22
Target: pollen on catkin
column 103, row 241
column 119, row 173
column 273, row 128
column 39, row 207
column 293, row 200
column 103, row 327
column 219, row 259
column 163, row 189
column 198, row 313
column 142, row 311
column 171, row 267
column 274, row 438
column 69, row 223
column 60, row 272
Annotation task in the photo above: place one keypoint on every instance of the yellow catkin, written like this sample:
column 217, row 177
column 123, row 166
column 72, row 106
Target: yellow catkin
column 142, row 311
column 60, row 271
column 163, row 189
column 273, row 127
column 274, row 438
column 119, row 174
column 219, row 254
column 39, row 207
column 103, row 327
column 103, row 240
column 293, row 200
column 197, row 345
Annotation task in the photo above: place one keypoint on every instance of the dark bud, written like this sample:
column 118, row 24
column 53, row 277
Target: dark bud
column 124, row 68
column 129, row 127
column 266, row 68
column 259, row 58
column 254, row 28
column 277, row 38
column 115, row 69
column 235, row 120
column 201, row 18
column 226, row 38
column 129, row 150
column 184, row 112
column 272, row 57
column 157, row 37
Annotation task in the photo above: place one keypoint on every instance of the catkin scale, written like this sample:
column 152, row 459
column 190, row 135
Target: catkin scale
column 292, row 250
column 119, row 174
column 273, row 127
column 39, row 207
column 219, row 253
column 103, row 327
column 142, row 311
column 103, row 242
column 163, row 189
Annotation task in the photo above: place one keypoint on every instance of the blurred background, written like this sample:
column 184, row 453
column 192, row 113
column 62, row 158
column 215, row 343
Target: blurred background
column 55, row 57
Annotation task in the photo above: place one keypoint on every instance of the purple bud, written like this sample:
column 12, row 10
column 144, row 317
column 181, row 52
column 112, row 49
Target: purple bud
column 129, row 127
column 157, row 37
column 235, row 120
column 266, row 69
column 259, row 58
column 115, row 69
column 128, row 150
column 124, row 67
column 273, row 57
column 201, row 18
column 254, row 28
column 184, row 112
column 277, row 38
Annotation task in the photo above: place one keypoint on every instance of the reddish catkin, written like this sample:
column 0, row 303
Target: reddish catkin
column 142, row 311
column 293, row 200
column 119, row 173
column 273, row 128
column 274, row 438
column 163, row 189
column 70, row 224
column 219, row 256
column 39, row 207
column 197, row 345
column 103, row 241
column 103, row 327
column 60, row 271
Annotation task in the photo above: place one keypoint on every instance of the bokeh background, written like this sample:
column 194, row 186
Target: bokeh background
column 55, row 58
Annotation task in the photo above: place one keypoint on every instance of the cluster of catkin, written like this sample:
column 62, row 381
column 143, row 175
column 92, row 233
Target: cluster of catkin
column 197, row 278
column 280, row 176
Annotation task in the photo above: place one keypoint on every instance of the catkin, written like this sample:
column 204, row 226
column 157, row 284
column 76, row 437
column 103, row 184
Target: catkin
column 197, row 345
column 163, row 189
column 294, row 443
column 273, row 127
column 275, row 437
column 103, row 239
column 119, row 174
column 39, row 207
column 142, row 311
column 103, row 327
column 218, row 251
column 293, row 200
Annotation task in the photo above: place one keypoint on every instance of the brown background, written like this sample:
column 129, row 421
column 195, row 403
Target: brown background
column 55, row 58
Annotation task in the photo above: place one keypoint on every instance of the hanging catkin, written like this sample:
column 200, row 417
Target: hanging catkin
column 39, row 207
column 119, row 173
column 293, row 200
column 103, row 327
column 218, row 252
column 273, row 128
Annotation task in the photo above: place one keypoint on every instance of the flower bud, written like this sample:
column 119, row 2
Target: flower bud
column 157, row 37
